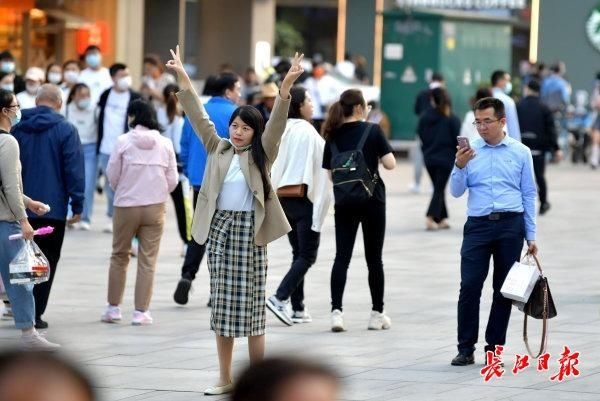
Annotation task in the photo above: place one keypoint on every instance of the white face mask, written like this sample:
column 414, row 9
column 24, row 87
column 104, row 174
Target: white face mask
column 508, row 88
column 54, row 77
column 8, row 87
column 71, row 76
column 124, row 83
column 32, row 88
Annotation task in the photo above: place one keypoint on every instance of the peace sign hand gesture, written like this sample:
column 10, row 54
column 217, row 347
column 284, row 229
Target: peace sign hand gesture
column 292, row 75
column 176, row 65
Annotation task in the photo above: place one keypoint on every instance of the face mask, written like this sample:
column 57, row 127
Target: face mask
column 93, row 59
column 84, row 104
column 71, row 76
column 124, row 83
column 508, row 88
column 14, row 120
column 8, row 87
column 7, row 66
column 54, row 77
column 32, row 88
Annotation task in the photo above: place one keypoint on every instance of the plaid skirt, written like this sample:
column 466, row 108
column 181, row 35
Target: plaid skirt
column 238, row 275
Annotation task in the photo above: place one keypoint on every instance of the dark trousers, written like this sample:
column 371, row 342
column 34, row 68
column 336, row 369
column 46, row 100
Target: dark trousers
column 305, row 245
column 194, row 253
column 180, row 212
column 51, row 246
column 503, row 240
column 372, row 218
column 539, row 168
column 439, row 177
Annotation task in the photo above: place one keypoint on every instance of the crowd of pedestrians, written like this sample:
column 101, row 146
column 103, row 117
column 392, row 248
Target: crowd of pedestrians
column 262, row 161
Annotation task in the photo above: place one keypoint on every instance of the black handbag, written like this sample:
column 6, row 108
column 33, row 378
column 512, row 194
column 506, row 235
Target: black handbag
column 539, row 306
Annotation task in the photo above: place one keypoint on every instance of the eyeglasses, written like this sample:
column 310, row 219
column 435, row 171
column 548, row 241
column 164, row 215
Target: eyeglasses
column 12, row 105
column 484, row 123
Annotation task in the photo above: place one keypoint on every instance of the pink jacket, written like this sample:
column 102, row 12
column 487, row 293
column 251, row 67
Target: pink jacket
column 142, row 168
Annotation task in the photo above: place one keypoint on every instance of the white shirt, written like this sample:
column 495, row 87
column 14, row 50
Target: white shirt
column 172, row 130
column 115, row 115
column 85, row 121
column 299, row 161
column 468, row 129
column 235, row 193
column 26, row 101
column 512, row 119
column 97, row 80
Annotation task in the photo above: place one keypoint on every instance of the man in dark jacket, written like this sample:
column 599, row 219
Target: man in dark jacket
column 538, row 132
column 112, row 121
column 52, row 171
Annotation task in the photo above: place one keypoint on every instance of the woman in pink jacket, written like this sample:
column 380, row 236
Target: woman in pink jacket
column 142, row 171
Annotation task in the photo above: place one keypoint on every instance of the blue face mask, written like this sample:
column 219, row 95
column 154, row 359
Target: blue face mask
column 93, row 59
column 14, row 120
column 7, row 66
column 84, row 104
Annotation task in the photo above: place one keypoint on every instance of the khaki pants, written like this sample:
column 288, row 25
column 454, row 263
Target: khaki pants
column 147, row 223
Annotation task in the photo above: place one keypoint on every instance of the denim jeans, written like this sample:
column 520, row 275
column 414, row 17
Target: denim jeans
column 91, row 169
column 110, row 194
column 305, row 244
column 20, row 296
column 483, row 239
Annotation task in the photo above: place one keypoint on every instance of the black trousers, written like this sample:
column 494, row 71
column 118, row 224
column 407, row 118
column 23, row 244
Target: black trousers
column 439, row 177
column 51, row 246
column 539, row 168
column 347, row 219
column 503, row 241
column 305, row 245
column 194, row 254
column 180, row 212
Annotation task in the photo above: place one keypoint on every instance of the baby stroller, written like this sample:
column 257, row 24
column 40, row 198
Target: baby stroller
column 579, row 121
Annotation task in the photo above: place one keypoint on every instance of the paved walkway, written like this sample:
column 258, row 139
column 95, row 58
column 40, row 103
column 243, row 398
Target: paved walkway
column 175, row 359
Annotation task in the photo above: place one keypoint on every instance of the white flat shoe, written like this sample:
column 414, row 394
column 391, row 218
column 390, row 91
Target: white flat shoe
column 218, row 390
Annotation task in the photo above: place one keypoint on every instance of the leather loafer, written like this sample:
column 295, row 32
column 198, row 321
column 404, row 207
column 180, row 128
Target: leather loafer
column 463, row 360
column 218, row 390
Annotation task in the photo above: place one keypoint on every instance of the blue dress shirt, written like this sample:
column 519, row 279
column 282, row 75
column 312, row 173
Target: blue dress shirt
column 500, row 179
column 510, row 108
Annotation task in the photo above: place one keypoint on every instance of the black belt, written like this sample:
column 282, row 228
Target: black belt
column 497, row 216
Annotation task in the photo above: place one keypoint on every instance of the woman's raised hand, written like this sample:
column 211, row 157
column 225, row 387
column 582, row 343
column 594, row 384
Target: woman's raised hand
column 176, row 65
column 292, row 75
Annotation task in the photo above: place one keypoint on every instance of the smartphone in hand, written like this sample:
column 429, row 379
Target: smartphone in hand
column 463, row 142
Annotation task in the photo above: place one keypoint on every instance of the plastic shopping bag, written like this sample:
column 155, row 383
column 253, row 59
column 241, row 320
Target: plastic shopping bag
column 520, row 280
column 30, row 266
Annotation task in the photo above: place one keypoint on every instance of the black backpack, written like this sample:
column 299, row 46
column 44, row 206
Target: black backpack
column 353, row 183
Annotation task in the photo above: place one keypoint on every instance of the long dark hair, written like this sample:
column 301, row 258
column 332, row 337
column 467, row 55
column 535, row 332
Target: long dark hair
column 143, row 114
column 341, row 109
column 441, row 101
column 6, row 98
column 76, row 88
column 171, row 100
column 251, row 116
column 298, row 94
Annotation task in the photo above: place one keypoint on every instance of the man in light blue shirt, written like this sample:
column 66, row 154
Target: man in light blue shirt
column 501, row 88
column 498, row 172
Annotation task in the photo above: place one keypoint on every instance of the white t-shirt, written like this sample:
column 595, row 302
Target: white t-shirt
column 26, row 101
column 235, row 193
column 85, row 122
column 115, row 116
column 172, row 130
column 98, row 81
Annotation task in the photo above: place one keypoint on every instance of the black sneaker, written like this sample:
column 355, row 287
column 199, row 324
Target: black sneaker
column 182, row 291
column 40, row 324
column 280, row 310
column 544, row 207
column 463, row 360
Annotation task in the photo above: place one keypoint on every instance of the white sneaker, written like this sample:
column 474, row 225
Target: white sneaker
column 135, row 246
column 141, row 318
column 379, row 321
column 112, row 314
column 108, row 228
column 414, row 188
column 183, row 251
column 337, row 320
column 301, row 316
column 34, row 341
column 84, row 226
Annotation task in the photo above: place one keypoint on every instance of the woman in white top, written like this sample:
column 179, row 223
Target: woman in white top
column 170, row 118
column 83, row 116
column 304, row 191
column 468, row 129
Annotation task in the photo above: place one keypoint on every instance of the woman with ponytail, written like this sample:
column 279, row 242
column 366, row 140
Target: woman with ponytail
column 237, row 215
column 345, row 127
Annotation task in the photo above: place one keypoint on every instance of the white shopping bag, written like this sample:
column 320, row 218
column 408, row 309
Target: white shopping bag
column 520, row 280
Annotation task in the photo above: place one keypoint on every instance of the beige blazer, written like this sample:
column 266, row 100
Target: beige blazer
column 270, row 222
